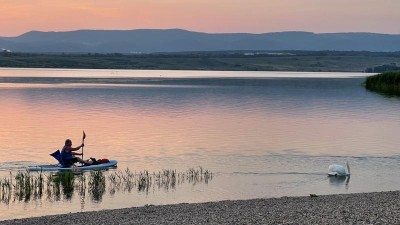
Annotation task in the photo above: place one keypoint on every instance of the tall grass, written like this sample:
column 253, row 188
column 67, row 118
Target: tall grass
column 386, row 83
column 97, row 185
column 165, row 179
column 64, row 181
column 26, row 186
column 6, row 189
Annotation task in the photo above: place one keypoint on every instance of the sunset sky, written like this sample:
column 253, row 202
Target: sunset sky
column 213, row 16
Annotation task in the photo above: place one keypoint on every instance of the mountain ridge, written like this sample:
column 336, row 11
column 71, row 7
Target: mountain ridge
column 180, row 40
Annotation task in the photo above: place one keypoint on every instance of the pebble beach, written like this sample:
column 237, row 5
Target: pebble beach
column 361, row 208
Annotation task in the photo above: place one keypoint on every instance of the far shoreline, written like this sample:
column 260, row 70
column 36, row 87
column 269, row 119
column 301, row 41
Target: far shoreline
column 296, row 61
column 357, row 208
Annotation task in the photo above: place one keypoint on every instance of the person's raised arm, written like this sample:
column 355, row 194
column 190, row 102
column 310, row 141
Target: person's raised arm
column 71, row 149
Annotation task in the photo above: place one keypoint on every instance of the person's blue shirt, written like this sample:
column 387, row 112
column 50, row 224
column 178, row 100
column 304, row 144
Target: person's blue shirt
column 65, row 155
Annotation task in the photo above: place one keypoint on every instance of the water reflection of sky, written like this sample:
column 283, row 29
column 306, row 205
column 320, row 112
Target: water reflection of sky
column 287, row 112
column 261, row 137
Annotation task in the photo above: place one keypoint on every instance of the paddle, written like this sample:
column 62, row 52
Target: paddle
column 83, row 142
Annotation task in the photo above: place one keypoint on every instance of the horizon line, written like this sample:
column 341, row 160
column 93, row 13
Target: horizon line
column 166, row 29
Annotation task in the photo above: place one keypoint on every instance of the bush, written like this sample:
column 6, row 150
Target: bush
column 387, row 83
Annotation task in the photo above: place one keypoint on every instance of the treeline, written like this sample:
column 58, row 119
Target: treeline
column 383, row 68
column 387, row 83
column 302, row 61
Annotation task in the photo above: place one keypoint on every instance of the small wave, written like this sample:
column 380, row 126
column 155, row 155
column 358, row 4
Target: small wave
column 277, row 173
column 362, row 157
column 16, row 165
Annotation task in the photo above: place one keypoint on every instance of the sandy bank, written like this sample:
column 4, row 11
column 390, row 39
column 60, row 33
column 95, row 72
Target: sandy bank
column 364, row 208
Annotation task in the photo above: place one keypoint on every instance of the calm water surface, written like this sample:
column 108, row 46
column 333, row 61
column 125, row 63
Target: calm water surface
column 269, row 135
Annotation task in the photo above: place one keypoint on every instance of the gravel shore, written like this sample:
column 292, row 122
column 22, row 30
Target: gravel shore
column 363, row 208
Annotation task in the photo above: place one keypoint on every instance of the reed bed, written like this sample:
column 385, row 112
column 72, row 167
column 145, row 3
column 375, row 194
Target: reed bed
column 165, row 179
column 26, row 186
column 386, row 83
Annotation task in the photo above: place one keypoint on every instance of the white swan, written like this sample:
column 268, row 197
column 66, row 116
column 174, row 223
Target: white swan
column 339, row 170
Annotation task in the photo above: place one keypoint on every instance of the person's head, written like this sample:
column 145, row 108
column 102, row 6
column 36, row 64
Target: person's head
column 68, row 142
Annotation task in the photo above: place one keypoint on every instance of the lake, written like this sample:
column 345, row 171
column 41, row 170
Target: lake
column 261, row 134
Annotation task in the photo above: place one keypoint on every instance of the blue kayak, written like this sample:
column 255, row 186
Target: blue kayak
column 110, row 164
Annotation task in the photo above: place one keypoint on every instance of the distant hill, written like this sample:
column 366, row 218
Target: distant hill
column 176, row 40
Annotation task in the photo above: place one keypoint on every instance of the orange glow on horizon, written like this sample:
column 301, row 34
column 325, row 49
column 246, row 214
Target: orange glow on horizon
column 254, row 16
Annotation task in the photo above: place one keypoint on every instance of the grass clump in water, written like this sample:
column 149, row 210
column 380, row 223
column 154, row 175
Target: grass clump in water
column 165, row 179
column 386, row 83
column 64, row 181
column 97, row 185
column 6, row 189
column 26, row 186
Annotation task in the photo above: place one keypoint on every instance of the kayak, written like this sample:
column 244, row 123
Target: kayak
column 58, row 167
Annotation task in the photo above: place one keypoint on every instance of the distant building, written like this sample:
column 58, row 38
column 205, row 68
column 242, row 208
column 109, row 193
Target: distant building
column 5, row 50
column 249, row 54
column 268, row 53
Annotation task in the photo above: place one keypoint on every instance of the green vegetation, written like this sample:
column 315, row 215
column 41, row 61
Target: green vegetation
column 165, row 179
column 312, row 61
column 64, row 181
column 97, row 185
column 387, row 83
column 26, row 186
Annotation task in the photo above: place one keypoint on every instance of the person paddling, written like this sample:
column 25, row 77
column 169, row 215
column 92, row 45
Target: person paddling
column 68, row 154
